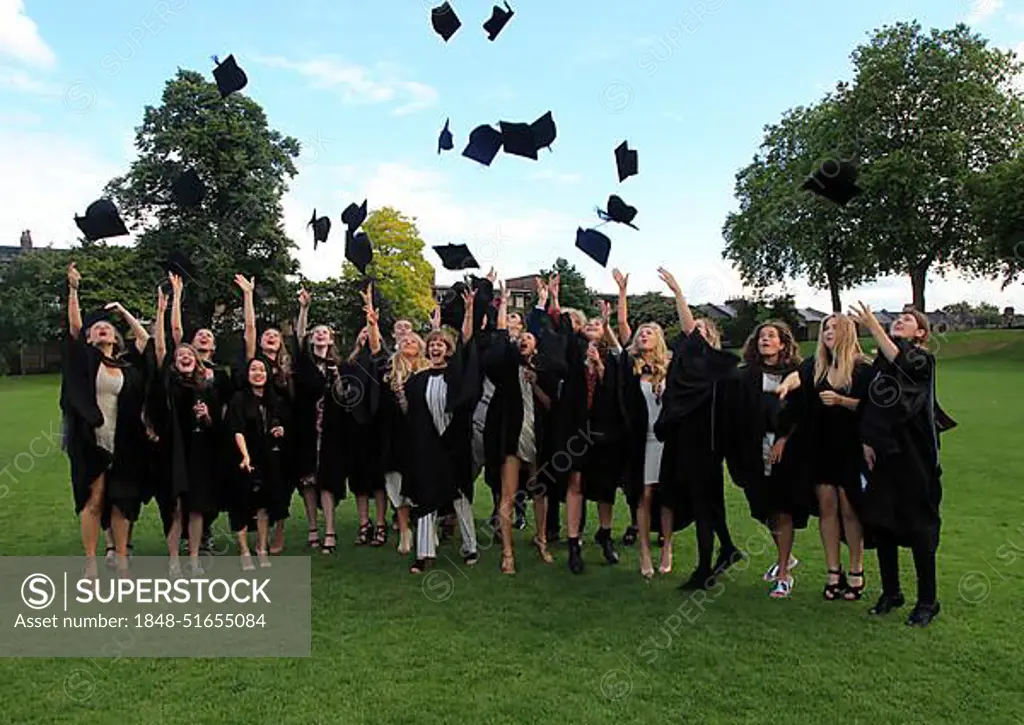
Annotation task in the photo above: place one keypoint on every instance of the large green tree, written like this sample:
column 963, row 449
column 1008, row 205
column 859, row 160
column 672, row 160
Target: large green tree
column 573, row 287
column 931, row 110
column 245, row 166
column 782, row 231
column 999, row 209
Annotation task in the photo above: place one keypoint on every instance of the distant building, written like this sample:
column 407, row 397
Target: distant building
column 809, row 323
column 8, row 253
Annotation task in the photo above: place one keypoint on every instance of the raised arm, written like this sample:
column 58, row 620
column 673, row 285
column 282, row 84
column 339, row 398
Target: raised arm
column 686, row 320
column 159, row 336
column 303, row 319
column 141, row 333
column 74, row 311
column 555, row 309
column 502, row 309
column 622, row 313
column 177, row 331
column 863, row 315
column 249, row 336
column 467, row 319
column 372, row 319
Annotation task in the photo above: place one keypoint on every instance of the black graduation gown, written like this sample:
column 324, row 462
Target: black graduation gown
column 902, row 422
column 505, row 412
column 359, row 401
column 126, row 468
column 441, row 465
column 693, row 428
column 392, row 443
column 319, row 449
column 191, row 450
column 752, row 414
column 637, row 425
column 254, row 416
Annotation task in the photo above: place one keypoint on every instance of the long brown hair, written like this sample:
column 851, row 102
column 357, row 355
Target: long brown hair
column 332, row 350
column 282, row 361
column 839, row 363
column 197, row 378
column 714, row 337
column 923, row 323
column 788, row 355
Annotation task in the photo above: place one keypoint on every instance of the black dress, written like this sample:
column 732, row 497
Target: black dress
column 254, row 416
column 359, row 400
column 901, row 422
column 693, row 426
column 319, row 452
column 756, row 412
column 441, row 464
column 191, row 449
column 126, row 467
column 392, row 443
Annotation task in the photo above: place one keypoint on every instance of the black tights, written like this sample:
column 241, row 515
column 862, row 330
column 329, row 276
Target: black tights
column 924, row 563
column 708, row 527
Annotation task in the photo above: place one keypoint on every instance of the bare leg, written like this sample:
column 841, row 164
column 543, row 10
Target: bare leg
column 666, row 531
column 309, row 502
column 363, row 509
column 643, row 517
column 119, row 525
column 381, row 501
column 174, row 534
column 195, row 537
column 828, row 527
column 854, row 538
column 243, row 549
column 327, row 502
column 574, row 504
column 784, row 542
column 509, row 486
column 278, row 546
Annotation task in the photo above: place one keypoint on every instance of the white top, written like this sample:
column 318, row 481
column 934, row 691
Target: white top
column 653, row 448
column 108, row 387
column 437, row 400
column 526, row 450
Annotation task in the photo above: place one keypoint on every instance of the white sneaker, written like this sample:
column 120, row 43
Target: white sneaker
column 773, row 571
column 782, row 589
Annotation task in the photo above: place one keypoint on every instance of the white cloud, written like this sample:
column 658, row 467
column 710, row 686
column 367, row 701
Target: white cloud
column 360, row 84
column 19, row 36
column 513, row 241
column 558, row 177
column 981, row 10
column 19, row 80
column 47, row 180
column 19, row 118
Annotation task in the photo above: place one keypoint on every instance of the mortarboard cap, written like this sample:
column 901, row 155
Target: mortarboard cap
column 101, row 221
column 835, row 182
column 445, row 142
column 594, row 244
column 230, row 78
column 321, row 228
column 358, row 249
column 484, row 143
column 517, row 139
column 618, row 211
column 354, row 216
column 445, row 21
column 456, row 256
column 179, row 263
column 100, row 314
column 499, row 19
column 626, row 161
column 188, row 189
column 544, row 131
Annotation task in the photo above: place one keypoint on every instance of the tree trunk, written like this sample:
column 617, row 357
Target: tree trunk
column 917, row 282
column 833, row 288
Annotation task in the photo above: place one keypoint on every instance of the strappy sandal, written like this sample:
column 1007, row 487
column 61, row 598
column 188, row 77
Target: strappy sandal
column 508, row 564
column 380, row 537
column 330, row 541
column 111, row 557
column 833, row 592
column 420, row 565
column 247, row 564
column 405, row 542
column 471, row 558
column 852, row 593
column 629, row 537
column 542, row 551
column 313, row 538
column 365, row 534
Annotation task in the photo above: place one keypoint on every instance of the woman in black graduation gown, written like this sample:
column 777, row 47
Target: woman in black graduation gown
column 692, row 483
column 273, row 347
column 900, row 431
column 825, row 394
column 514, row 431
column 257, row 423
column 592, row 425
column 186, row 412
column 102, row 399
column 318, row 427
column 765, row 448
column 440, row 403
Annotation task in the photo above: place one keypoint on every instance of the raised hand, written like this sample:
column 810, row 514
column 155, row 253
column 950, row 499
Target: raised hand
column 74, row 276
column 468, row 296
column 176, row 283
column 435, row 318
column 605, row 308
column 304, row 298
column 246, row 285
column 542, row 293
column 116, row 307
column 161, row 300
column 863, row 315
column 669, row 280
column 554, row 284
column 492, row 275
column 620, row 279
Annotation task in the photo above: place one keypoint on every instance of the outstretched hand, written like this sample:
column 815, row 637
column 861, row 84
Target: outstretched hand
column 669, row 280
column 620, row 279
column 246, row 285
column 304, row 298
column 74, row 276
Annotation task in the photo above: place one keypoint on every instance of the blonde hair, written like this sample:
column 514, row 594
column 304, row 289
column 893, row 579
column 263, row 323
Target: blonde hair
column 714, row 336
column 608, row 339
column 838, row 364
column 402, row 368
column 576, row 315
column 659, row 353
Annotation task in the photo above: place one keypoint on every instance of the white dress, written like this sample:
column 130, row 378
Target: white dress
column 654, row 447
column 108, row 388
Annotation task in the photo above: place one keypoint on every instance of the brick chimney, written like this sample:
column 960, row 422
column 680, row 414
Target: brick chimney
column 26, row 240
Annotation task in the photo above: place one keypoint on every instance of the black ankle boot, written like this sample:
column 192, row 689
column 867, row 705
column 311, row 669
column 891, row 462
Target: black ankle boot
column 575, row 556
column 923, row 614
column 604, row 539
column 886, row 603
column 700, row 579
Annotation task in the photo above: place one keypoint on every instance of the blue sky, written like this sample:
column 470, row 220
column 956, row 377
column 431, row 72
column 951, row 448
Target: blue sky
column 366, row 87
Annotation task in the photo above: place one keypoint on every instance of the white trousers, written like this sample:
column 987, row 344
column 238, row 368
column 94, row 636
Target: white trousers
column 426, row 531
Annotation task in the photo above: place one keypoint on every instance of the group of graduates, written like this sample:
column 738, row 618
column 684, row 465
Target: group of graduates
column 552, row 407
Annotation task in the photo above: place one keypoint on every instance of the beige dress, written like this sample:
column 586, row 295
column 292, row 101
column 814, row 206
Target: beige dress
column 108, row 388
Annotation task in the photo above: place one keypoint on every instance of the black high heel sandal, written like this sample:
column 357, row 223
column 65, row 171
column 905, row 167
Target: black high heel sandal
column 330, row 542
column 380, row 537
column 365, row 534
column 852, row 593
column 833, row 592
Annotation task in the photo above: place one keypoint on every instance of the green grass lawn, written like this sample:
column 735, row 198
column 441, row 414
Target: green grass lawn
column 470, row 645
